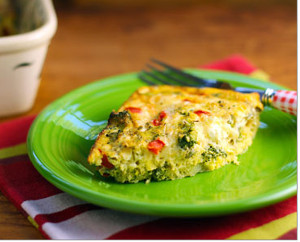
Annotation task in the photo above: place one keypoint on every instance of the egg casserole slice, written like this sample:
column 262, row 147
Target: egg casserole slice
column 171, row 132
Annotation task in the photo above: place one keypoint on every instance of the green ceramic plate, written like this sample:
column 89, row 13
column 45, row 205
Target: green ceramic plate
column 62, row 135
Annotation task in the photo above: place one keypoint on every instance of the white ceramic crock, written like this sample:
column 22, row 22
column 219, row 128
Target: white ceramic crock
column 21, row 61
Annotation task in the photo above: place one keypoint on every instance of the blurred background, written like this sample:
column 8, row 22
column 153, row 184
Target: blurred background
column 98, row 38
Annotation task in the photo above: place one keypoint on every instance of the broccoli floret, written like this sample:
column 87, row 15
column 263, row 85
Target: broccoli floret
column 186, row 142
column 120, row 119
column 212, row 153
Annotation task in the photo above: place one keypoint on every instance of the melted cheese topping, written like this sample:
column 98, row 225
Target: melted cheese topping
column 169, row 132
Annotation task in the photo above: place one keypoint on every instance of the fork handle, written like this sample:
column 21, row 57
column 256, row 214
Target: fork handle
column 282, row 100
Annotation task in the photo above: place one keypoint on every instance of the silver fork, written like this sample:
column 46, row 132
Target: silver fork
column 169, row 75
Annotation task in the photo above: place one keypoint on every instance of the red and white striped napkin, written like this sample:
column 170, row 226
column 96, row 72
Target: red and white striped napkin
column 59, row 215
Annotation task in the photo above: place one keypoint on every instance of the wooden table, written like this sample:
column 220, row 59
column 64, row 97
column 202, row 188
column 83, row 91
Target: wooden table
column 94, row 43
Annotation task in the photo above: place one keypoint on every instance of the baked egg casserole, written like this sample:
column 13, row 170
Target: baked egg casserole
column 171, row 132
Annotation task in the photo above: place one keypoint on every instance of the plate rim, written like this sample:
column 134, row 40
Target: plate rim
column 172, row 210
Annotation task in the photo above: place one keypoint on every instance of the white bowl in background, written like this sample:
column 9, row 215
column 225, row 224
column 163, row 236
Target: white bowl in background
column 22, row 56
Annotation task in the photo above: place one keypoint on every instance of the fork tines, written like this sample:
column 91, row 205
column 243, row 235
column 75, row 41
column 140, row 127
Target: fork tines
column 169, row 75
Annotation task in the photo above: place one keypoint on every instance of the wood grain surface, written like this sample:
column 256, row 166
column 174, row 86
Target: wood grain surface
column 92, row 43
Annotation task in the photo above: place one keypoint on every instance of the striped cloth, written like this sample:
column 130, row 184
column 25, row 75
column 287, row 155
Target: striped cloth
column 58, row 215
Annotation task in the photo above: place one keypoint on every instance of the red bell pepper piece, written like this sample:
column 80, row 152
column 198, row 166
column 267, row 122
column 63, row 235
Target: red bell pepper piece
column 134, row 109
column 156, row 122
column 161, row 116
column 199, row 112
column 156, row 146
column 106, row 163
